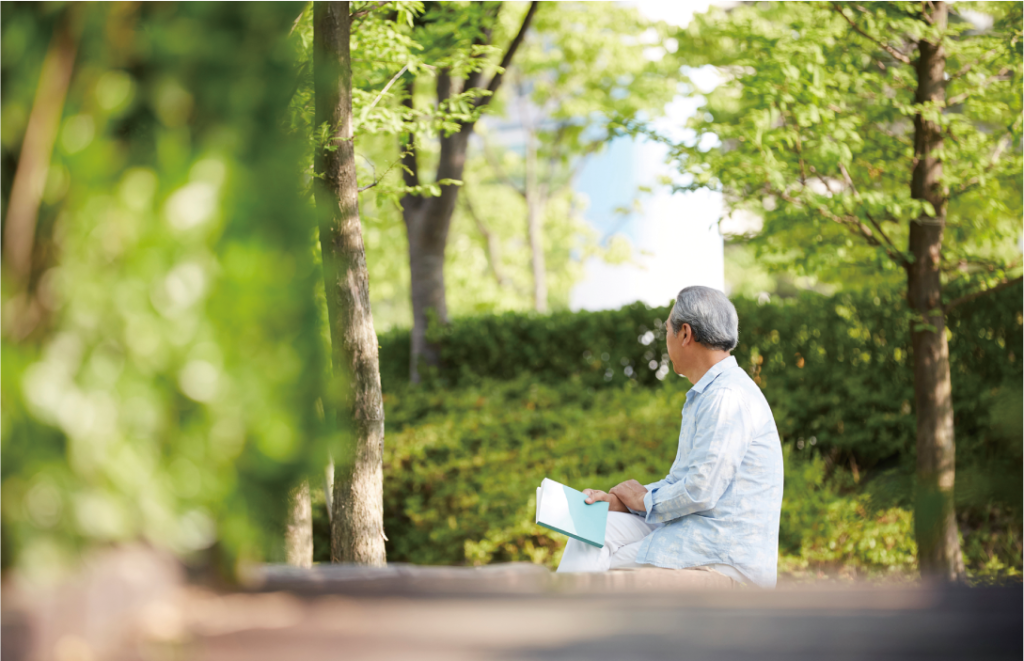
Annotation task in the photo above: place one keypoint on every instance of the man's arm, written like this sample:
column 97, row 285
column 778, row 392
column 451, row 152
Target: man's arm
column 638, row 507
column 724, row 432
column 631, row 493
column 595, row 495
column 656, row 485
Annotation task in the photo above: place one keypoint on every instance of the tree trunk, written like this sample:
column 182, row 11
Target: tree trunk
column 357, row 526
column 534, row 215
column 934, row 514
column 299, row 535
column 427, row 221
column 427, row 231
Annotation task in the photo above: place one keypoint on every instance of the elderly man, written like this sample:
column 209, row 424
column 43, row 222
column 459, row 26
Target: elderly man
column 716, row 513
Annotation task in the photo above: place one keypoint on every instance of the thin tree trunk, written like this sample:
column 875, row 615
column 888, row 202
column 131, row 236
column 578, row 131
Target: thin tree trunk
column 329, row 488
column 26, row 310
column 534, row 211
column 299, row 535
column 535, row 230
column 357, row 526
column 37, row 146
column 934, row 515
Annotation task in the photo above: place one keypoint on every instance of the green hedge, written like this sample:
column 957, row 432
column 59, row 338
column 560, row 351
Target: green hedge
column 836, row 369
column 522, row 397
column 461, row 466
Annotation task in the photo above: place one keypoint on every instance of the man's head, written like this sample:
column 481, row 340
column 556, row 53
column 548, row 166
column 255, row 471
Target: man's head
column 701, row 328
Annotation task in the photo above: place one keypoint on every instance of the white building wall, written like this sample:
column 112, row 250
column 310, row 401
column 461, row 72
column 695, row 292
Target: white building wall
column 675, row 238
column 676, row 242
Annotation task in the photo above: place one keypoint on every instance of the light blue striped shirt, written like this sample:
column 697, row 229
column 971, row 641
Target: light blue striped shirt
column 720, row 502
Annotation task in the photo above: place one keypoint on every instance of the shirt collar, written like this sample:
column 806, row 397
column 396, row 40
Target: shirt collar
column 713, row 373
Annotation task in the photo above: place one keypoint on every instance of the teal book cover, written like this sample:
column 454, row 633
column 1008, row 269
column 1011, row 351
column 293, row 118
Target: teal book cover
column 563, row 509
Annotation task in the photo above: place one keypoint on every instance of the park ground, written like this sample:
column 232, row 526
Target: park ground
column 135, row 604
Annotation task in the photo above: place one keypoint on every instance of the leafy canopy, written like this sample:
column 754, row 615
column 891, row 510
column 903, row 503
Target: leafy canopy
column 811, row 129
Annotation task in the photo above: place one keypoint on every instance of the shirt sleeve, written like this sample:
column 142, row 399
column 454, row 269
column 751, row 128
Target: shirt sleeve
column 650, row 487
column 724, row 432
column 656, row 485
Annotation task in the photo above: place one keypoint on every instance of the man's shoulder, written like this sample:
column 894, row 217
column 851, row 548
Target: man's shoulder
column 734, row 380
column 736, row 385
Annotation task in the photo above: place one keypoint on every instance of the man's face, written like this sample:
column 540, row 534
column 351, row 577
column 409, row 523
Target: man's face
column 676, row 345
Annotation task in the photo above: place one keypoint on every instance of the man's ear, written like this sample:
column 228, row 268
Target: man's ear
column 685, row 333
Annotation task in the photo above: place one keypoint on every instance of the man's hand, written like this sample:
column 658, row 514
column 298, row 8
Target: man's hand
column 614, row 504
column 631, row 494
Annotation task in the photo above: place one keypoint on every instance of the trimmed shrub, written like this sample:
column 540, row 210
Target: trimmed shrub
column 836, row 370
column 523, row 397
column 460, row 480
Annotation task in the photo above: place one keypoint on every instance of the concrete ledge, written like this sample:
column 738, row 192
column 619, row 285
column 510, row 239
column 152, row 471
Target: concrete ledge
column 401, row 579
column 132, row 605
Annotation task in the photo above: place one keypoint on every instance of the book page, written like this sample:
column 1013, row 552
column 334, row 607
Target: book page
column 553, row 507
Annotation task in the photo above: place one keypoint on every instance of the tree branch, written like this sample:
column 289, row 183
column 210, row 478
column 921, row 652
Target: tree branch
column 978, row 294
column 499, row 170
column 960, row 98
column 475, row 76
column 886, row 47
column 493, row 250
column 824, row 182
column 384, row 91
column 1000, row 146
column 376, row 179
column 298, row 19
column 967, row 67
column 506, row 61
column 364, row 12
column 856, row 225
column 444, row 86
column 410, row 167
column 963, row 265
column 893, row 252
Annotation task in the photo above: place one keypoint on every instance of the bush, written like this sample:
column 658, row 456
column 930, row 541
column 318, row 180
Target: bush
column 463, row 455
column 836, row 370
column 830, row 526
column 460, row 480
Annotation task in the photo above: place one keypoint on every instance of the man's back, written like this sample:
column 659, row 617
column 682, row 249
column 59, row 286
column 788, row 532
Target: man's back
column 721, row 500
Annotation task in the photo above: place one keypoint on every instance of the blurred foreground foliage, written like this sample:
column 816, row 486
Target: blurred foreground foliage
column 167, row 387
column 578, row 398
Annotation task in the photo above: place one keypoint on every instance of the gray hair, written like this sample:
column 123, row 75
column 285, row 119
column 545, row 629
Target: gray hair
column 710, row 314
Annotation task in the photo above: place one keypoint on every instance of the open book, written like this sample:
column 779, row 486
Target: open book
column 565, row 510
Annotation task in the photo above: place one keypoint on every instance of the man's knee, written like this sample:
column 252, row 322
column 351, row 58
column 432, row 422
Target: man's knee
column 623, row 528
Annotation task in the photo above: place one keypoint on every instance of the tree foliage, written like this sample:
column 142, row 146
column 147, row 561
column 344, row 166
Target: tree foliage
column 168, row 388
column 811, row 129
